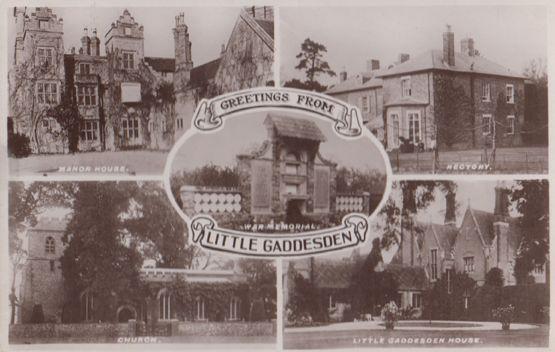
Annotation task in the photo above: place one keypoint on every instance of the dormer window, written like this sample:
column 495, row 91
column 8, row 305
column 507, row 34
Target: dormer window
column 128, row 60
column 406, row 90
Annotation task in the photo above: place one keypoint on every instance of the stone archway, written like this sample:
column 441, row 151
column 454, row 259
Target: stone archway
column 126, row 312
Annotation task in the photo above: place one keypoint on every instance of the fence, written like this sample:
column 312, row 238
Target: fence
column 522, row 160
column 210, row 200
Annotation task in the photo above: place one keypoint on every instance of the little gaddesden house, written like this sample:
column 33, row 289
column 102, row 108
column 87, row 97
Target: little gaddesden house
column 42, row 285
column 125, row 100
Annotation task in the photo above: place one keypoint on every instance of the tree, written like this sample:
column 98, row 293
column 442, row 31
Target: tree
column 535, row 129
column 100, row 255
column 311, row 61
column 370, row 285
column 154, row 222
column 305, row 301
column 67, row 115
column 356, row 181
column 261, row 279
column 532, row 202
column 399, row 215
column 306, row 85
column 446, row 299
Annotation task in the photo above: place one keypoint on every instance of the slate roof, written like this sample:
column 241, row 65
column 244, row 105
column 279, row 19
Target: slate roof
column 267, row 26
column 295, row 128
column 485, row 222
column 446, row 235
column 50, row 224
column 433, row 60
column 333, row 273
column 406, row 101
column 408, row 277
column 161, row 64
column 200, row 75
column 361, row 81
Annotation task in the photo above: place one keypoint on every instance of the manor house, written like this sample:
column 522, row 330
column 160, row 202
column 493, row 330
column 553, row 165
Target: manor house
column 123, row 99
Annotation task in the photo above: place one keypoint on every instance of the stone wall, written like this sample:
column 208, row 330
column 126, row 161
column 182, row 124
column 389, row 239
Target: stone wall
column 248, row 58
column 20, row 332
column 227, row 328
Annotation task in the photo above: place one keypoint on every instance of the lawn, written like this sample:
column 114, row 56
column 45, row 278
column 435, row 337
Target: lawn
column 508, row 160
column 132, row 162
column 536, row 337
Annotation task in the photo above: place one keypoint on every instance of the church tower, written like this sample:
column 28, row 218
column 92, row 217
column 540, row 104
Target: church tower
column 183, row 59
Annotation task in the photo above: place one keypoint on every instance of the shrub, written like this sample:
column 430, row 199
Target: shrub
column 18, row 145
column 258, row 312
column 37, row 316
column 390, row 314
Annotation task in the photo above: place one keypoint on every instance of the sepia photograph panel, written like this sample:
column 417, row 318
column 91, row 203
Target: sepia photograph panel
column 466, row 97
column 101, row 90
column 278, row 171
column 110, row 262
column 451, row 264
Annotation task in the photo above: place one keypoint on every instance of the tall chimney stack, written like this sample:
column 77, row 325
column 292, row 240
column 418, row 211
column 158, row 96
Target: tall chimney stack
column 403, row 57
column 343, row 76
column 501, row 211
column 467, row 46
column 449, row 47
column 450, row 214
column 86, row 42
column 372, row 65
column 95, row 44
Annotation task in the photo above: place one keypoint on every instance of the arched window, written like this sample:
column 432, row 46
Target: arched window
column 87, row 306
column 164, row 312
column 200, row 309
column 50, row 245
column 234, row 304
column 292, row 163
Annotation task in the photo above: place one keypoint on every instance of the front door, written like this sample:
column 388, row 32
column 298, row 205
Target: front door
column 293, row 212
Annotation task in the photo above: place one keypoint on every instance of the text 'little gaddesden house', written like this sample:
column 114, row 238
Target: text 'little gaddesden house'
column 286, row 179
column 124, row 99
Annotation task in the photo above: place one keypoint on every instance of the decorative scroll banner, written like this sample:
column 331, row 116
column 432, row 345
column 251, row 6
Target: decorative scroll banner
column 210, row 113
column 207, row 234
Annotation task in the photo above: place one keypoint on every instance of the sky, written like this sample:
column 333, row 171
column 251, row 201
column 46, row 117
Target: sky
column 199, row 150
column 508, row 35
column 209, row 28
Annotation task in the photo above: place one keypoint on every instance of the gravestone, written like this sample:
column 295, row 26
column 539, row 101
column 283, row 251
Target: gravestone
column 261, row 186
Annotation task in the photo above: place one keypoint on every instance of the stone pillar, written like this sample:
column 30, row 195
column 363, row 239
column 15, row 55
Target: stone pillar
column 188, row 199
column 131, row 327
column 174, row 327
column 366, row 203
